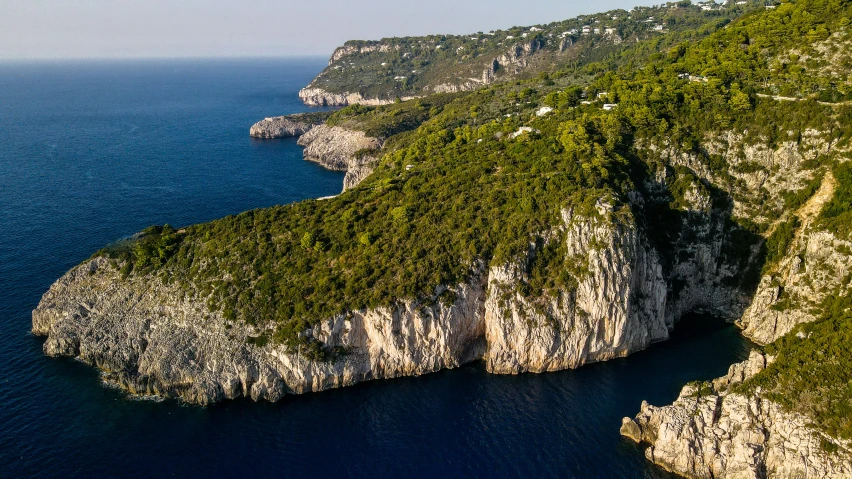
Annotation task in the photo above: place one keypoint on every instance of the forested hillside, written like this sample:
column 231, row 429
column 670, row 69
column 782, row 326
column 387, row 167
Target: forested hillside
column 403, row 67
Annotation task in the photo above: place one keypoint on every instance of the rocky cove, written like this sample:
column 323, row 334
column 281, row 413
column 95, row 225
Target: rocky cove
column 333, row 147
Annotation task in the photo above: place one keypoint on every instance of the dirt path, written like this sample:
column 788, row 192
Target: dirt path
column 814, row 205
column 788, row 98
column 809, row 211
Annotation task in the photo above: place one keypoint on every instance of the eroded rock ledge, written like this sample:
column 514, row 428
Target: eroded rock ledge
column 286, row 126
column 341, row 149
column 715, row 432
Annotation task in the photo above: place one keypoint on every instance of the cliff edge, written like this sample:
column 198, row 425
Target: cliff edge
column 714, row 431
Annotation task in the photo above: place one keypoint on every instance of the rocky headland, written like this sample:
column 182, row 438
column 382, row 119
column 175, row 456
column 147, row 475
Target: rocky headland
column 714, row 430
column 152, row 339
column 334, row 147
column 287, row 126
column 315, row 96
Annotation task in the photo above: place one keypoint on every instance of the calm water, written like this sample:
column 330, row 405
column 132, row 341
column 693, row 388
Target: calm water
column 92, row 152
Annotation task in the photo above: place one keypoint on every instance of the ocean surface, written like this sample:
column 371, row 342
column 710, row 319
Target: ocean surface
column 91, row 152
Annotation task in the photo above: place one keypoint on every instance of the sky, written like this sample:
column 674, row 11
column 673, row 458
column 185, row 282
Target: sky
column 39, row 29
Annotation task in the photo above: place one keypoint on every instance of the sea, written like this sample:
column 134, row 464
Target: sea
column 94, row 151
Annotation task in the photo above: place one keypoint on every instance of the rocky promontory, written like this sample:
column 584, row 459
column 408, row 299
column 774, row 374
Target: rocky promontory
column 150, row 337
column 342, row 149
column 287, row 126
column 334, row 147
column 714, row 431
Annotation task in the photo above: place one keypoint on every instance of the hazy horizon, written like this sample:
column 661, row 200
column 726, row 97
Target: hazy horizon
column 157, row 29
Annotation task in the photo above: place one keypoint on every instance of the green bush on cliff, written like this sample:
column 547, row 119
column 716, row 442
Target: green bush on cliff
column 778, row 243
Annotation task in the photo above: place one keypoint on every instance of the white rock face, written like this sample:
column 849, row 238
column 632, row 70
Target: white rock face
column 282, row 127
column 815, row 267
column 335, row 148
column 347, row 50
column 722, row 434
column 153, row 340
column 816, row 262
column 618, row 307
column 316, row 96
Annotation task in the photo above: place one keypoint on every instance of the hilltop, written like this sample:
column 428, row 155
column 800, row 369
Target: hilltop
column 379, row 72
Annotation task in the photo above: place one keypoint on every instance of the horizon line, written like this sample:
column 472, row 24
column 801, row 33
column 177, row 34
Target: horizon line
column 152, row 58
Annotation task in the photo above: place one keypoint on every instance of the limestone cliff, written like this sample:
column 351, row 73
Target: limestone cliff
column 335, row 148
column 711, row 431
column 152, row 338
column 617, row 307
column 375, row 72
column 815, row 266
column 315, row 96
column 758, row 178
column 286, row 126
column 515, row 60
column 341, row 149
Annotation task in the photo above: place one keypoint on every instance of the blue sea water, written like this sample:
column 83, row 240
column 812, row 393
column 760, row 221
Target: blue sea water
column 91, row 152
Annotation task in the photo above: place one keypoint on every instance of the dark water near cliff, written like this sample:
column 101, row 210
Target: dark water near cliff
column 91, row 152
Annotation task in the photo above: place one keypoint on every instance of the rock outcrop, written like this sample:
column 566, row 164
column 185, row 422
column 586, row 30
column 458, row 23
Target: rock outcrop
column 335, row 148
column 285, row 126
column 617, row 308
column 341, row 149
column 151, row 338
column 815, row 266
column 816, row 262
column 711, row 431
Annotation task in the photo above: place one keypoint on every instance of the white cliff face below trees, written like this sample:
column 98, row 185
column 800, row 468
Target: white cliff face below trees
column 314, row 96
column 151, row 339
column 617, row 308
column 338, row 148
column 281, row 127
column 334, row 148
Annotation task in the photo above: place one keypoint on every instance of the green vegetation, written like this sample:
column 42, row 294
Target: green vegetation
column 778, row 243
column 146, row 251
column 403, row 232
column 399, row 67
column 311, row 117
column 392, row 119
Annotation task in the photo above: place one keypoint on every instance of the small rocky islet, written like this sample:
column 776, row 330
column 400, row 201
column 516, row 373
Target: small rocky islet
column 591, row 205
